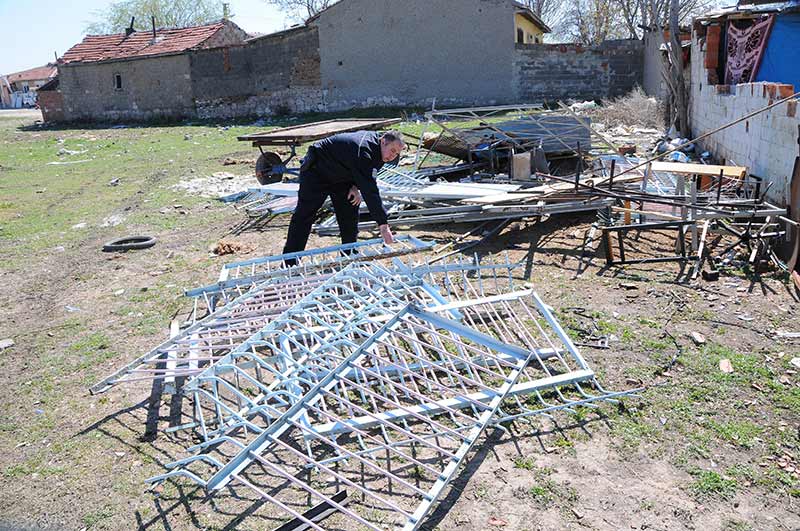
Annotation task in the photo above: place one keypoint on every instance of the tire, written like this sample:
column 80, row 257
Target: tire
column 264, row 166
column 129, row 243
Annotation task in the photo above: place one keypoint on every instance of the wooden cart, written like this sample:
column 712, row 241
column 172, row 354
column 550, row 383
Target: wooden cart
column 270, row 167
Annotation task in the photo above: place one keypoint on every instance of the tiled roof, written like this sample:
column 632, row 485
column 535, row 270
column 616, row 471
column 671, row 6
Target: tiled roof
column 139, row 44
column 47, row 71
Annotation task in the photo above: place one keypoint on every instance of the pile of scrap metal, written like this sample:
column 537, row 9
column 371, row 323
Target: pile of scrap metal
column 490, row 136
column 348, row 389
column 692, row 201
column 500, row 149
column 518, row 162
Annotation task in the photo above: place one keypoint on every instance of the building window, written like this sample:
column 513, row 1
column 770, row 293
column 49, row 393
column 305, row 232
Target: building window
column 118, row 81
column 25, row 88
column 520, row 36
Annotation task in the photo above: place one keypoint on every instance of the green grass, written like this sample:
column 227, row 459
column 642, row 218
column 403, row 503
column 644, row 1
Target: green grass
column 543, row 494
column 741, row 433
column 736, row 525
column 33, row 465
column 630, row 430
column 96, row 517
column 710, row 484
column 525, row 463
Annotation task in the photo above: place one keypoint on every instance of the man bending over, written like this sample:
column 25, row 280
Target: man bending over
column 342, row 167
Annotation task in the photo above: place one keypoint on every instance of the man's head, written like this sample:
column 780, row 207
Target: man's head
column 392, row 145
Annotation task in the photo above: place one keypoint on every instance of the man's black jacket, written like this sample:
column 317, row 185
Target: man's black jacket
column 350, row 158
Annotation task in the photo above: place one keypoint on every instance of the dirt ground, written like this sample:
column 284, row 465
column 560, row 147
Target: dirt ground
column 698, row 448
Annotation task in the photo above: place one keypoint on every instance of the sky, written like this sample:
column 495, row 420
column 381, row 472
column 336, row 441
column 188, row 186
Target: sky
column 33, row 30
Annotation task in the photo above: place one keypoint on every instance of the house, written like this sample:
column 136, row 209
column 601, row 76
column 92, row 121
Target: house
column 354, row 54
column 528, row 27
column 19, row 89
column 457, row 52
column 744, row 59
column 137, row 75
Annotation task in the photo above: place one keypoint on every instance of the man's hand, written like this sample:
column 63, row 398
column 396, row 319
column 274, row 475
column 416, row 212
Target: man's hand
column 354, row 196
column 386, row 234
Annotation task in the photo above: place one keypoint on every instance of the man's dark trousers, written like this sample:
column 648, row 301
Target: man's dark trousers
column 312, row 194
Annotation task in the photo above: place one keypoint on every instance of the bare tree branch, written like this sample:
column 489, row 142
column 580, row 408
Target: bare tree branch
column 301, row 9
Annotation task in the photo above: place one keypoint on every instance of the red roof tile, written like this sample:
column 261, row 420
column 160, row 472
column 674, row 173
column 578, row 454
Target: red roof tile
column 48, row 71
column 139, row 43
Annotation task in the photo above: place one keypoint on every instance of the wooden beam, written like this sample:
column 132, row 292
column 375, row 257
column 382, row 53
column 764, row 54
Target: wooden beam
column 737, row 172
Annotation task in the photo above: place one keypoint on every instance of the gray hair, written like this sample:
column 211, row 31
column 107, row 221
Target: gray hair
column 393, row 136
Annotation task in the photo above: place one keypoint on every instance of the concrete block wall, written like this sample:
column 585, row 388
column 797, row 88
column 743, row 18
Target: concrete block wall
column 653, row 80
column 152, row 88
column 766, row 144
column 387, row 53
column 552, row 72
column 274, row 74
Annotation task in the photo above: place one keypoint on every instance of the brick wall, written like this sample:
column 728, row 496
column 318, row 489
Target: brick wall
column 766, row 144
column 51, row 103
column 278, row 73
column 550, row 72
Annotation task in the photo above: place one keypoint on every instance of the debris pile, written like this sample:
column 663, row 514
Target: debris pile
column 517, row 162
column 216, row 186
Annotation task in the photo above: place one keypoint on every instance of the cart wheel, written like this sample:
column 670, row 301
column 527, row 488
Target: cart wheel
column 264, row 165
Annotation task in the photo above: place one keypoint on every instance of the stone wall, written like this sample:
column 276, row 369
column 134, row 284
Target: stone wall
column 275, row 74
column 552, row 72
column 229, row 35
column 153, row 88
column 386, row 53
column 766, row 143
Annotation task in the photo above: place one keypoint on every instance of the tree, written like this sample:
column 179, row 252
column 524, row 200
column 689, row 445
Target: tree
column 301, row 9
column 677, row 81
column 168, row 14
column 593, row 21
column 639, row 14
column 551, row 12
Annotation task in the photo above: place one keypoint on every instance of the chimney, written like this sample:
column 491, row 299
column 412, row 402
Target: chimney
column 153, row 20
column 226, row 10
column 129, row 30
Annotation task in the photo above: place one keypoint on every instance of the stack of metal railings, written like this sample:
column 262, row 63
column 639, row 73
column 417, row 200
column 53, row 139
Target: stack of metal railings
column 237, row 278
column 376, row 380
column 247, row 296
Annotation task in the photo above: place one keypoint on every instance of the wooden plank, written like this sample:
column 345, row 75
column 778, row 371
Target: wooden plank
column 521, row 166
column 538, row 192
column 737, row 172
column 316, row 130
column 699, row 264
column 608, row 243
column 452, row 191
